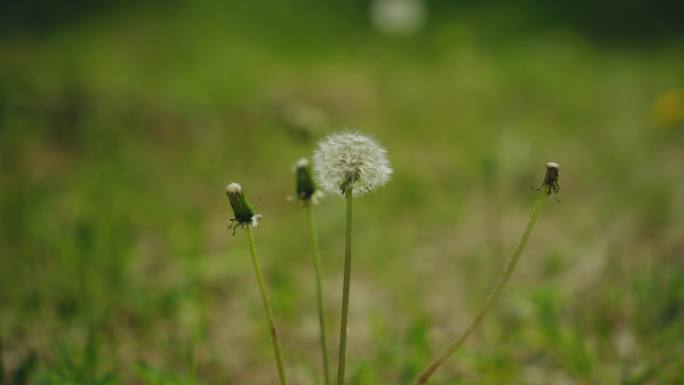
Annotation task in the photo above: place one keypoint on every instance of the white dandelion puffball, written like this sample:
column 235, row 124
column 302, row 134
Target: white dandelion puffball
column 350, row 162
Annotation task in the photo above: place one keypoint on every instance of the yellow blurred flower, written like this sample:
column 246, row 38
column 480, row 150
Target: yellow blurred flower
column 668, row 108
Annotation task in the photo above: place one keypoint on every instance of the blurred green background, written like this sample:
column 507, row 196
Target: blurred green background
column 121, row 123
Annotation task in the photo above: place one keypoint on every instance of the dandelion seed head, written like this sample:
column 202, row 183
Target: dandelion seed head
column 350, row 162
column 552, row 165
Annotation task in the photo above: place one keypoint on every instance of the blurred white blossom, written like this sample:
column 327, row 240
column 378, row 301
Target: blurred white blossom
column 398, row 17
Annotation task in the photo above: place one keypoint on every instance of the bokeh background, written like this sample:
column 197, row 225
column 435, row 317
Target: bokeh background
column 121, row 123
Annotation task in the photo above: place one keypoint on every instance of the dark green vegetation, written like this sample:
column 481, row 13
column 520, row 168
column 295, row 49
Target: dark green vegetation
column 120, row 129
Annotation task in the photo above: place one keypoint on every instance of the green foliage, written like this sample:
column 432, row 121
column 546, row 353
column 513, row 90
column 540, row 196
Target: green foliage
column 76, row 367
column 21, row 375
column 118, row 133
column 151, row 376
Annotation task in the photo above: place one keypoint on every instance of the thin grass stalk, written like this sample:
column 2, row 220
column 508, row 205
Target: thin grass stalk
column 493, row 296
column 319, row 289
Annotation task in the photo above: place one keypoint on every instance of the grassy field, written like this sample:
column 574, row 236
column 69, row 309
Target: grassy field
column 119, row 131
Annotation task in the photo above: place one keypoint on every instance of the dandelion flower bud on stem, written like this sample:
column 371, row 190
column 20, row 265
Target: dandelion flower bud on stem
column 245, row 218
column 551, row 183
column 306, row 193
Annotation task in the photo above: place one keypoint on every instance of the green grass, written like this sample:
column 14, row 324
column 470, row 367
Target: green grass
column 119, row 132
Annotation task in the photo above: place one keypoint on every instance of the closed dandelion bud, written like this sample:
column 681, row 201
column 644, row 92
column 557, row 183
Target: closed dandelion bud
column 304, row 180
column 551, row 177
column 242, row 210
column 351, row 162
column 550, row 183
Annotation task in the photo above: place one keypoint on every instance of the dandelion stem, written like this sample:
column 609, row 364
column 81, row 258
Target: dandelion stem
column 319, row 289
column 267, row 306
column 342, row 363
column 193, row 361
column 493, row 296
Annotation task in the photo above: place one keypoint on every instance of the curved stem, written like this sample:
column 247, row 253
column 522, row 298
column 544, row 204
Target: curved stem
column 267, row 306
column 493, row 296
column 342, row 363
column 319, row 290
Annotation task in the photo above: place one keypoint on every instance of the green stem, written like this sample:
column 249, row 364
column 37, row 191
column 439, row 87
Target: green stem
column 267, row 306
column 2, row 365
column 319, row 289
column 342, row 363
column 493, row 296
column 193, row 362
